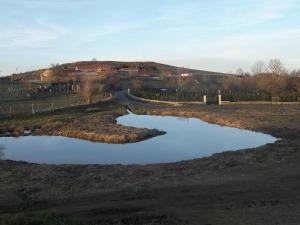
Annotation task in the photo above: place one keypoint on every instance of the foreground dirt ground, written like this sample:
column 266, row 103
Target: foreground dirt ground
column 249, row 187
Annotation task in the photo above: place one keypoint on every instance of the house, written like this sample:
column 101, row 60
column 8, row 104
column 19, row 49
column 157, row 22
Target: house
column 186, row 75
column 46, row 75
column 128, row 71
column 85, row 71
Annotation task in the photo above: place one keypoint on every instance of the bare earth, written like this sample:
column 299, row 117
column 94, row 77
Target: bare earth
column 249, row 187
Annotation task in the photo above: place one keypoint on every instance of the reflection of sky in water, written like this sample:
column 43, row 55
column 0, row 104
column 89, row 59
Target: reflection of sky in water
column 185, row 139
column 2, row 148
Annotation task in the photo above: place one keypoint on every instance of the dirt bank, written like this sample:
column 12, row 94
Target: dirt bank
column 249, row 187
column 96, row 123
column 279, row 121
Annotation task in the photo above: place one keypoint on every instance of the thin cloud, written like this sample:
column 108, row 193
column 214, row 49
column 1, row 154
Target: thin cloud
column 262, row 44
column 116, row 28
column 41, row 35
column 255, row 14
column 183, row 13
column 231, row 16
column 104, row 30
column 48, row 4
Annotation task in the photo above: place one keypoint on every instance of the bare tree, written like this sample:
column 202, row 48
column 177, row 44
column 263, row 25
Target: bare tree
column 240, row 72
column 273, row 83
column 53, row 65
column 95, row 85
column 297, row 86
column 277, row 67
column 88, row 91
column 113, row 82
column 172, row 82
column 91, row 88
column 137, row 83
column 259, row 67
column 103, row 74
column 185, row 83
column 295, row 73
column 180, row 82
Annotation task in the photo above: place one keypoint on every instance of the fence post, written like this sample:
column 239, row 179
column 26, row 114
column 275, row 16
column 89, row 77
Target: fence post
column 204, row 99
column 275, row 100
column 32, row 108
column 52, row 106
column 219, row 97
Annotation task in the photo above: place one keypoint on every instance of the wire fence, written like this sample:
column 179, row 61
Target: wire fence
column 230, row 96
column 48, row 105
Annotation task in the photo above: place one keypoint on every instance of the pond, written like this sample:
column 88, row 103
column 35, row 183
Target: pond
column 185, row 139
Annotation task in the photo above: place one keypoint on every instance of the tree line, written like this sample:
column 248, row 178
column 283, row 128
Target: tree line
column 271, row 79
column 274, row 66
column 267, row 80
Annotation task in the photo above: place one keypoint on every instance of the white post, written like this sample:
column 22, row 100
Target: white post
column 220, row 98
column 204, row 99
column 52, row 106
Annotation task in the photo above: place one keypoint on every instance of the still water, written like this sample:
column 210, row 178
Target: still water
column 185, row 139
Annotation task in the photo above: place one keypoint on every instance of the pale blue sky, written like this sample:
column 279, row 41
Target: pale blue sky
column 210, row 35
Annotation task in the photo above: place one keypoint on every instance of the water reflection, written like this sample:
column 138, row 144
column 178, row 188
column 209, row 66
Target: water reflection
column 183, row 119
column 2, row 148
column 185, row 139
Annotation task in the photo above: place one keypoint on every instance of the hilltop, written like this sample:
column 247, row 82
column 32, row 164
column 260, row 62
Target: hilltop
column 145, row 69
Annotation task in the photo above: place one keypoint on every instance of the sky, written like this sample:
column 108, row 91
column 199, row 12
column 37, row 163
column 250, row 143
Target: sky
column 214, row 35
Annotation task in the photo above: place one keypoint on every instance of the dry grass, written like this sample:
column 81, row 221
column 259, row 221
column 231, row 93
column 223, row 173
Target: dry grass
column 97, row 124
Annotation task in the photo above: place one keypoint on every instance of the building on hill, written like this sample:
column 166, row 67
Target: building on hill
column 77, row 71
column 47, row 75
column 128, row 71
column 97, row 73
column 186, row 74
column 102, row 73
